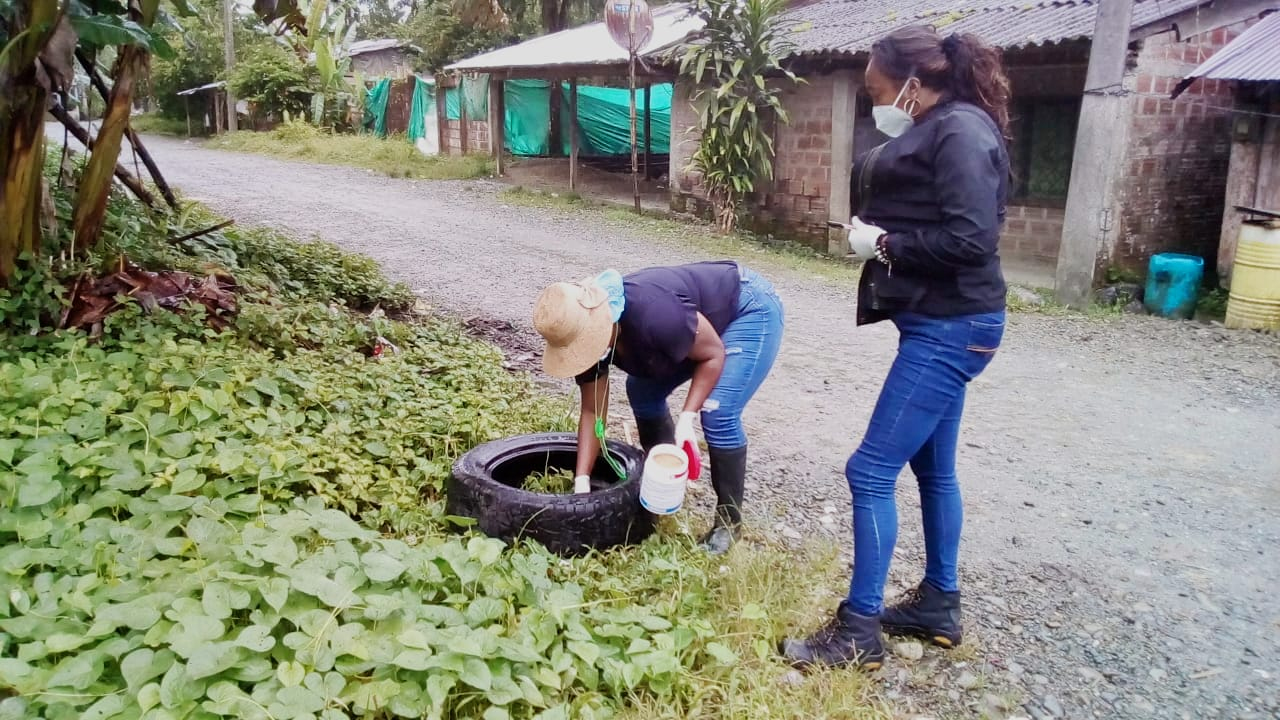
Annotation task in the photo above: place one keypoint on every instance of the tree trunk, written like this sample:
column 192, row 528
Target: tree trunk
column 95, row 183
column 22, row 156
column 22, row 104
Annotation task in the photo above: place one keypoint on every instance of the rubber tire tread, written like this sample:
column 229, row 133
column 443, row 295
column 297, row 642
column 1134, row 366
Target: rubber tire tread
column 570, row 524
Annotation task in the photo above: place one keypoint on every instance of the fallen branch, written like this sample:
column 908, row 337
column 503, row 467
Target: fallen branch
column 134, row 140
column 205, row 231
column 134, row 184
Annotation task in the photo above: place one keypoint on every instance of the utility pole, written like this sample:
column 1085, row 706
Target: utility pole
column 229, row 55
column 1100, row 138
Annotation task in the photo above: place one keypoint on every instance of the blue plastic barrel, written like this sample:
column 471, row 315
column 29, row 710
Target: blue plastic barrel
column 1173, row 284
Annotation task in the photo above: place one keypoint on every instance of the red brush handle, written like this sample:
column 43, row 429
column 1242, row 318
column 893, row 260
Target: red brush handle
column 695, row 460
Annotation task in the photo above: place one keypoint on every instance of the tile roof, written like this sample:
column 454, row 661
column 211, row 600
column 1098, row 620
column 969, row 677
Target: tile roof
column 1253, row 56
column 848, row 27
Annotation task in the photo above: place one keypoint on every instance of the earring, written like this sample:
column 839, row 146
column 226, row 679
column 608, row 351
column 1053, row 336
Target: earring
column 912, row 106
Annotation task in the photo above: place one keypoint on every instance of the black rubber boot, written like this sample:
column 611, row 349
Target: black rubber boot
column 849, row 639
column 655, row 432
column 729, row 478
column 927, row 613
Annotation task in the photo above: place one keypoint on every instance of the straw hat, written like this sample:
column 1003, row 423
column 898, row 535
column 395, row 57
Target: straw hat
column 574, row 319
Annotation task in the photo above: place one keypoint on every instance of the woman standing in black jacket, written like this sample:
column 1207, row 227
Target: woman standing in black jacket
column 928, row 208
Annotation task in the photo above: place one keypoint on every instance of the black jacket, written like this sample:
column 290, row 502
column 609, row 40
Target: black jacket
column 939, row 191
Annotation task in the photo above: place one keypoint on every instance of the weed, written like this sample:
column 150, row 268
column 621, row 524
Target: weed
column 394, row 156
column 1213, row 304
column 155, row 124
column 551, row 482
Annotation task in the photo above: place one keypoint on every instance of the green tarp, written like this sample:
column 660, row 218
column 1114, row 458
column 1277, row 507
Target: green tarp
column 424, row 101
column 604, row 114
column 375, row 107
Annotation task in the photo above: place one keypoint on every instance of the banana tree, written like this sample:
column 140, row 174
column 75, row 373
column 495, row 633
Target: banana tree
column 26, row 30
column 38, row 39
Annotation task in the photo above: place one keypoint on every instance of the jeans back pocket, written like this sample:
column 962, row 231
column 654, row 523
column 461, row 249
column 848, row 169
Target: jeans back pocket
column 985, row 337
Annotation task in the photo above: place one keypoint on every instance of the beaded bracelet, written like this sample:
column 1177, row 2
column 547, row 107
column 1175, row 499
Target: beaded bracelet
column 882, row 251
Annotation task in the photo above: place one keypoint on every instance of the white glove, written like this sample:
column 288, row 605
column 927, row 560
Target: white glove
column 582, row 484
column 684, row 430
column 862, row 239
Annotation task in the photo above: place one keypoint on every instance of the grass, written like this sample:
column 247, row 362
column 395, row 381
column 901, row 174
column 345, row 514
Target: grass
column 671, row 231
column 393, row 156
column 156, row 124
column 755, row 596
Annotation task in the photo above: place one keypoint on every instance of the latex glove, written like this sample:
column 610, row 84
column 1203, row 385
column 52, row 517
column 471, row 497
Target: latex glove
column 582, row 484
column 862, row 239
column 684, row 430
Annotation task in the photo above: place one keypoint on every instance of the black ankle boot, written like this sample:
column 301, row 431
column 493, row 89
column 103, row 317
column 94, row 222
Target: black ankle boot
column 655, row 432
column 926, row 613
column 849, row 639
column 728, row 477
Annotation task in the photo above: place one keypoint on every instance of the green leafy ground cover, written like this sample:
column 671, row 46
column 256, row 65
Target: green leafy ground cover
column 250, row 523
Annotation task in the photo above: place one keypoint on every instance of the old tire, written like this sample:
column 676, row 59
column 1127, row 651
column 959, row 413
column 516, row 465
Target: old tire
column 486, row 485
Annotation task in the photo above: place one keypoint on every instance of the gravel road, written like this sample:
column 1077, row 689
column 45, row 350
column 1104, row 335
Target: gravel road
column 1122, row 475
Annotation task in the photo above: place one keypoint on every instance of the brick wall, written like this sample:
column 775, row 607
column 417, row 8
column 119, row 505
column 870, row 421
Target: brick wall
column 795, row 204
column 1174, row 173
column 1032, row 233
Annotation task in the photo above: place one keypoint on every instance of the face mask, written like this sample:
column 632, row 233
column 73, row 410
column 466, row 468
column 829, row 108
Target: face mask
column 891, row 119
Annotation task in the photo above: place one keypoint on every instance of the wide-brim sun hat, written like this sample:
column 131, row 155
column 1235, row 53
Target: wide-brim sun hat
column 575, row 321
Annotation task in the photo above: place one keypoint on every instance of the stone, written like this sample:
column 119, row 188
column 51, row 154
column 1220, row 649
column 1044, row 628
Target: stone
column 1118, row 294
column 910, row 651
column 1052, row 706
column 967, row 681
column 1135, row 307
column 793, row 678
column 995, row 703
column 1025, row 296
column 1156, row 674
column 1089, row 674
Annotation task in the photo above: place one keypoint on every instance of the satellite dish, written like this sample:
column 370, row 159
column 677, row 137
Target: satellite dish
column 630, row 23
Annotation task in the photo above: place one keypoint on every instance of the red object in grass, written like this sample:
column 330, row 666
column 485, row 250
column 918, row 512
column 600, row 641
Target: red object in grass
column 695, row 460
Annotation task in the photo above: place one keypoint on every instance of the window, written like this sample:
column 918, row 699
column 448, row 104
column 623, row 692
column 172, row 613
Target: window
column 1044, row 135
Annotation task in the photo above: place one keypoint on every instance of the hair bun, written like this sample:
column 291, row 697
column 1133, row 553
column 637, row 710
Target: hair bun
column 950, row 44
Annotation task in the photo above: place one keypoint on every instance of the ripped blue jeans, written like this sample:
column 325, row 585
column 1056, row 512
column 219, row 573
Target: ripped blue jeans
column 751, row 345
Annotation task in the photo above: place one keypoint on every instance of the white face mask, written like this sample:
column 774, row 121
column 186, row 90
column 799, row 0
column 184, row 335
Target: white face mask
column 891, row 119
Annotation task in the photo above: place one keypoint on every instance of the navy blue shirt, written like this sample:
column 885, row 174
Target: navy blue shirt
column 660, row 318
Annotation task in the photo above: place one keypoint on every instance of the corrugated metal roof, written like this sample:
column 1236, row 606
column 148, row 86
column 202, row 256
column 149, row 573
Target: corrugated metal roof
column 586, row 45
column 851, row 26
column 1254, row 56
column 361, row 47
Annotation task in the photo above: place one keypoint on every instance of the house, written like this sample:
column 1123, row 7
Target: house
column 1171, row 171
column 386, row 58
column 1250, row 64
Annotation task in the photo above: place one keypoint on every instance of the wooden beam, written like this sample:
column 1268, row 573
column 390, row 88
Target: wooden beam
column 573, row 134
column 497, row 121
column 462, row 117
column 648, row 132
column 442, row 116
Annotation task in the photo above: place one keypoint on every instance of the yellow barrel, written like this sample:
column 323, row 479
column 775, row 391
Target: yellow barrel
column 1254, row 301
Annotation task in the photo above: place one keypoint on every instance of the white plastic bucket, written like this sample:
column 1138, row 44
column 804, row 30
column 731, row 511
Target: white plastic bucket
column 666, row 475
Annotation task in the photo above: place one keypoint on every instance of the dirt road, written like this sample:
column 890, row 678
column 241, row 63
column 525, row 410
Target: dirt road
column 1122, row 476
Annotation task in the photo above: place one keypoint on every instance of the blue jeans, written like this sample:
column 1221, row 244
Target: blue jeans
column 916, row 421
column 751, row 344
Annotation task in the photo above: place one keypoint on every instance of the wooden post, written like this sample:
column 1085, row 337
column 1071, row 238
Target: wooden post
column 186, row 103
column 635, row 171
column 648, row 135
column 555, row 130
column 442, row 116
column 573, row 134
column 462, row 115
column 497, row 121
